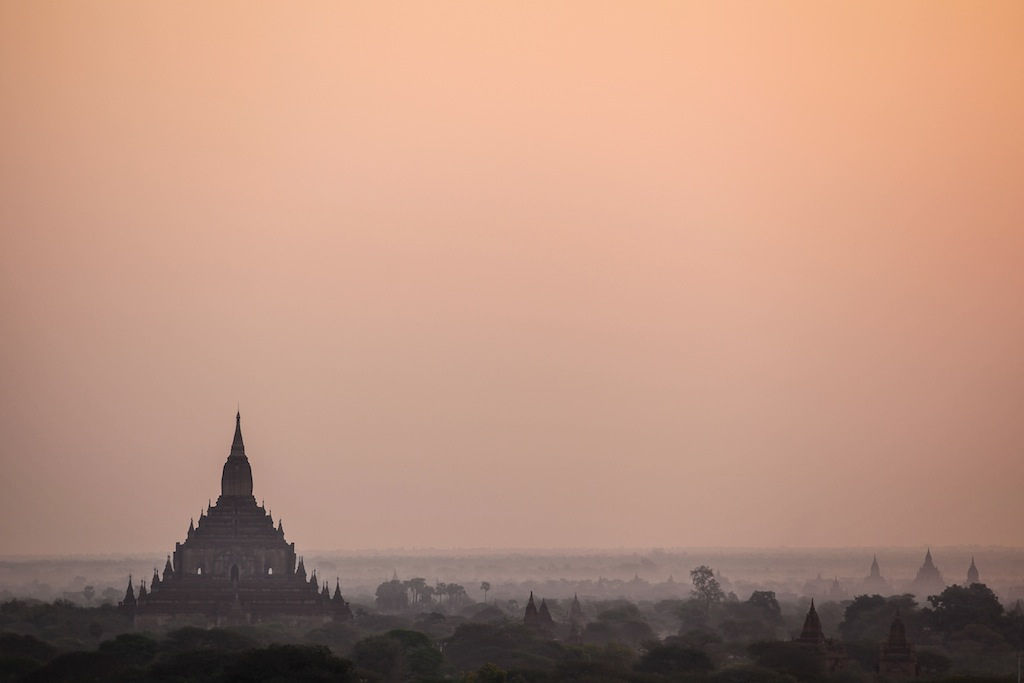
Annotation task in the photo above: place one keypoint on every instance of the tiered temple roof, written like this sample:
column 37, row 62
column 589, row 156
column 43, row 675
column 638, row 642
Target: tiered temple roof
column 235, row 565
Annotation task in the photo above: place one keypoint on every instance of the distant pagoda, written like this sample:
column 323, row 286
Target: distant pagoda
column 576, row 620
column 929, row 580
column 972, row 573
column 235, row 566
column 538, row 619
column 875, row 583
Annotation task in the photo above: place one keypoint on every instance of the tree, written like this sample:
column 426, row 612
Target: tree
column 456, row 595
column 672, row 657
column 485, row 587
column 706, row 587
column 767, row 604
column 960, row 606
column 791, row 659
column 416, row 587
column 398, row 655
column 131, row 648
column 300, row 663
column 392, row 596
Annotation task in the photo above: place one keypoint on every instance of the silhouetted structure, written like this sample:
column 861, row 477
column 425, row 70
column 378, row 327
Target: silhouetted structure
column 544, row 616
column 897, row 658
column 972, row 573
column 531, row 619
column 235, row 566
column 832, row 651
column 875, row 583
column 538, row 619
column 929, row 581
column 576, row 621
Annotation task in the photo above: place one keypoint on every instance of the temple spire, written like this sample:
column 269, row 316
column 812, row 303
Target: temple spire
column 237, row 447
column 236, row 481
column 129, row 594
column 972, row 573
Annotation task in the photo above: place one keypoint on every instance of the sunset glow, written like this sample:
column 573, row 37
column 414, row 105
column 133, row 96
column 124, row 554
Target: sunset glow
column 525, row 274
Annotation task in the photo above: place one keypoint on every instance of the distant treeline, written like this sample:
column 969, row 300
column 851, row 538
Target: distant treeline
column 429, row 634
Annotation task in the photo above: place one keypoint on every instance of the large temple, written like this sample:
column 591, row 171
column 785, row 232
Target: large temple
column 929, row 580
column 235, row 566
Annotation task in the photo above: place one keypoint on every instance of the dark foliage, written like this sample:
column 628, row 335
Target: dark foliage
column 767, row 604
column 960, row 606
column 18, row 645
column 131, row 648
column 398, row 655
column 673, row 657
column 793, row 659
column 284, row 663
column 81, row 667
column 509, row 647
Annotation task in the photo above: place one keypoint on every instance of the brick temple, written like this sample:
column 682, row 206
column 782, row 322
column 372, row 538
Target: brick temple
column 235, row 567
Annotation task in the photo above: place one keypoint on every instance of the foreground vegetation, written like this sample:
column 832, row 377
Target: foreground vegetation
column 961, row 634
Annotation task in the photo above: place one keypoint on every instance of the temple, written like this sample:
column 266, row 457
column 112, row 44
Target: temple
column 235, row 566
column 972, row 573
column 576, row 621
column 831, row 651
column 897, row 658
column 929, row 581
column 538, row 619
column 875, row 583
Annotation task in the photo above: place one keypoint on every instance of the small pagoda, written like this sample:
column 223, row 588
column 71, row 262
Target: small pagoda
column 897, row 657
column 831, row 651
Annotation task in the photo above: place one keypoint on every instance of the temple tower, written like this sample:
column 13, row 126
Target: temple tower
column 532, row 617
column 972, row 573
column 897, row 658
column 832, row 651
column 234, row 566
column 929, row 580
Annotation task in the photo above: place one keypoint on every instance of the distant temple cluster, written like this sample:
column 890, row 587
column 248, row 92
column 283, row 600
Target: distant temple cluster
column 928, row 581
column 540, row 620
column 235, row 566
column 897, row 656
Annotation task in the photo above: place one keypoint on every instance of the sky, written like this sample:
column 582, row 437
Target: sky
column 513, row 274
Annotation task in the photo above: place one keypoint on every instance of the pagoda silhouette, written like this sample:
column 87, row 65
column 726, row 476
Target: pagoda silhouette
column 929, row 580
column 235, row 566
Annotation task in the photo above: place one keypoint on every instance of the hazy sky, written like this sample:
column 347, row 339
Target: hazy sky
column 513, row 274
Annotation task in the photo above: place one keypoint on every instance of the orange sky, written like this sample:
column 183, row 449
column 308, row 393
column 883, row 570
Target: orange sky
column 513, row 274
